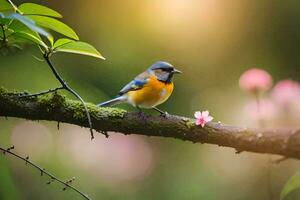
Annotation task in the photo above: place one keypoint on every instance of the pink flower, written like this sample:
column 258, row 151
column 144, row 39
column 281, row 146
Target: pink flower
column 255, row 80
column 202, row 118
column 286, row 92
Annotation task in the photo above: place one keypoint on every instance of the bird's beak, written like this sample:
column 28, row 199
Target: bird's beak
column 176, row 71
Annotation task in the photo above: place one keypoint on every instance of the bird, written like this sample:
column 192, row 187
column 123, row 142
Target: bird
column 149, row 89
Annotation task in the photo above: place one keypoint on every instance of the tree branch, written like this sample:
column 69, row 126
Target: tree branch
column 54, row 107
column 66, row 184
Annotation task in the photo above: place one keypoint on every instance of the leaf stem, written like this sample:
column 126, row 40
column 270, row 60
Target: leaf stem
column 14, row 6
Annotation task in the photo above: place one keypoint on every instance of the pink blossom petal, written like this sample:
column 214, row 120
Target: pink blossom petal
column 203, row 124
column 205, row 114
column 198, row 122
column 197, row 114
column 209, row 118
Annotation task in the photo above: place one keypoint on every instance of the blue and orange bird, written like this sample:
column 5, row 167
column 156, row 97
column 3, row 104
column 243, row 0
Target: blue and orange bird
column 149, row 89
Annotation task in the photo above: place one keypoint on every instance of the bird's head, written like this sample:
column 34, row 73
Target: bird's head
column 163, row 71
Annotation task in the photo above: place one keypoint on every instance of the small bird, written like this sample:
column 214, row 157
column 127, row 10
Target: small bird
column 149, row 89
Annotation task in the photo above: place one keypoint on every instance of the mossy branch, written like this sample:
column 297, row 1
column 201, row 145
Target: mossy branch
column 55, row 107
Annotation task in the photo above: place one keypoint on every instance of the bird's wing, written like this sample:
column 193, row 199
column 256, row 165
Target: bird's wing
column 136, row 84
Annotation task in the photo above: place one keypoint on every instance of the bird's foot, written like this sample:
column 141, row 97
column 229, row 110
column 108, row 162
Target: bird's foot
column 165, row 115
column 160, row 111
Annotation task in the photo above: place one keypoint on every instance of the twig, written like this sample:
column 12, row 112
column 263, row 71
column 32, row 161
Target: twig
column 68, row 88
column 43, row 171
column 4, row 36
column 3, row 32
column 65, row 86
column 42, row 93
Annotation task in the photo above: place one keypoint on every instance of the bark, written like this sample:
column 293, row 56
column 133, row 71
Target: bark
column 55, row 107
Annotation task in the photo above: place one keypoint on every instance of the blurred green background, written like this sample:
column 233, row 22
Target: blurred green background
column 211, row 41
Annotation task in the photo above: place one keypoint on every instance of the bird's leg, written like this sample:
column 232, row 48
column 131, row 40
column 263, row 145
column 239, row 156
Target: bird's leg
column 162, row 113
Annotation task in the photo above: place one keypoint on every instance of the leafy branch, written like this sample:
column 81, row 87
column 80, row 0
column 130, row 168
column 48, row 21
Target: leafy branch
column 21, row 25
column 66, row 184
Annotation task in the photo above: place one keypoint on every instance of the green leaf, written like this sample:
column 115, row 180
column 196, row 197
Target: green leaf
column 18, row 26
column 29, row 37
column 76, row 47
column 61, row 42
column 17, row 32
column 29, row 23
column 3, row 19
column 292, row 185
column 51, row 39
column 5, row 6
column 55, row 25
column 36, row 9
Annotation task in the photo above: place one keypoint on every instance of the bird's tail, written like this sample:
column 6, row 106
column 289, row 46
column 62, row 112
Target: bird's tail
column 113, row 102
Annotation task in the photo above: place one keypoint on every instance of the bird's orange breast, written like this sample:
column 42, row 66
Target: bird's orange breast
column 153, row 93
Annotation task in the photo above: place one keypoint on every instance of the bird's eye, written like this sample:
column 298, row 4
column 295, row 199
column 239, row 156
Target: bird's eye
column 167, row 69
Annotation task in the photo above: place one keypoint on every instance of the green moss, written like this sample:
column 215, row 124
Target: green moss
column 78, row 115
column 78, row 109
column 108, row 112
column 3, row 90
column 51, row 101
column 119, row 113
column 190, row 124
column 58, row 99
